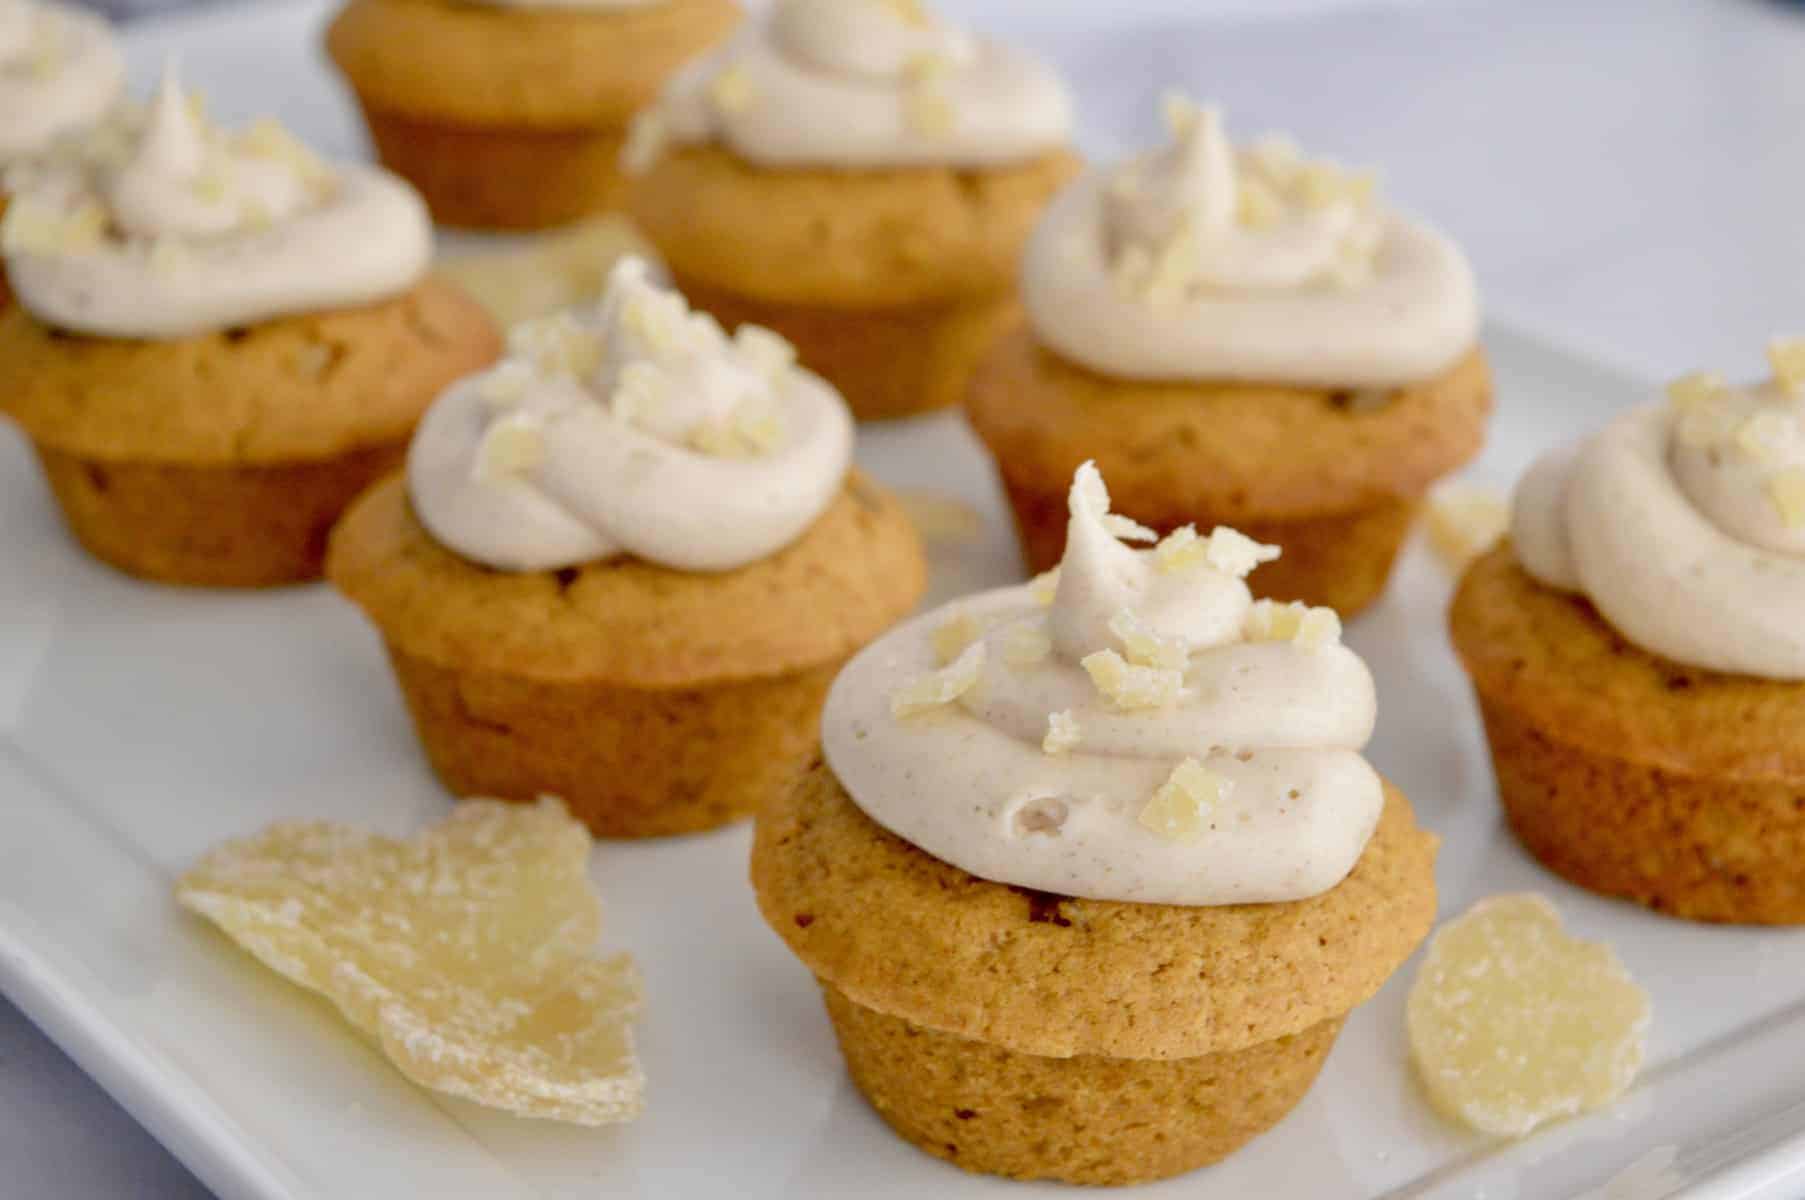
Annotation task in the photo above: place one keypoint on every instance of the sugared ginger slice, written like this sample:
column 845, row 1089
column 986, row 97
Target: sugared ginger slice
column 1513, row 1022
column 464, row 951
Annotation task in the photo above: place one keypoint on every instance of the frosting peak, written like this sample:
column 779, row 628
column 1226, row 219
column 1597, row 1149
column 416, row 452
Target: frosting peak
column 159, row 224
column 1684, row 523
column 59, row 71
column 1138, row 728
column 860, row 84
column 635, row 427
column 1197, row 260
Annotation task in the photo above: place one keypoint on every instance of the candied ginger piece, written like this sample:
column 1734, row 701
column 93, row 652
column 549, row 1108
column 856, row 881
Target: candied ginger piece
column 1465, row 522
column 1181, row 807
column 463, row 951
column 1063, row 733
column 1513, row 1022
column 1786, row 355
column 1131, row 687
column 953, row 635
column 1308, row 627
column 1695, row 388
column 1147, row 647
column 941, row 687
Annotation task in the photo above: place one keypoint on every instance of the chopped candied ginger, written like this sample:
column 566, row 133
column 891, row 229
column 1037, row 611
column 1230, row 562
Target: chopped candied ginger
column 1694, row 388
column 1145, row 647
column 1062, row 733
column 1513, row 1022
column 1129, row 687
column 1786, row 355
column 942, row 687
column 953, row 635
column 1464, row 522
column 557, row 345
column 1303, row 625
column 1226, row 550
column 464, row 951
column 1181, row 807
column 1043, row 587
column 750, row 430
column 513, row 446
column 1763, row 437
column 771, row 353
column 1786, row 489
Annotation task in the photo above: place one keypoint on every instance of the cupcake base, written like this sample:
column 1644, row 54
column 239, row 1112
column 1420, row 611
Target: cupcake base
column 627, row 762
column 211, row 526
column 886, row 362
column 1084, row 1119
column 501, row 177
column 1341, row 560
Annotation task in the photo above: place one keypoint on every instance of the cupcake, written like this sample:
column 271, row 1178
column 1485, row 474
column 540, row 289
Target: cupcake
column 860, row 177
column 1638, row 650
column 625, row 564
column 511, row 114
column 1242, row 337
column 220, row 340
column 60, row 71
column 1094, row 869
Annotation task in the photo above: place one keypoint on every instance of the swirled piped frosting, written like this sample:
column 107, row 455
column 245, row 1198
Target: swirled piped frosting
column 159, row 224
column 1136, row 727
column 1200, row 261
column 1684, row 522
column 863, row 84
column 60, row 69
column 633, row 427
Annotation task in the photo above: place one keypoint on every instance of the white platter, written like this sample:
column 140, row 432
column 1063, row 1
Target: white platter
column 139, row 725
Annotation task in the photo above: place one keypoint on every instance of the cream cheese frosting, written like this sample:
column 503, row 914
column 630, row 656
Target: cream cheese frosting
column 60, row 69
column 1201, row 261
column 862, row 84
column 632, row 427
column 1135, row 728
column 1684, row 522
column 158, row 224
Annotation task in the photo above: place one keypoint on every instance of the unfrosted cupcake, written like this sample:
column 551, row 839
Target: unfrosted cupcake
column 859, row 176
column 60, row 71
column 1242, row 337
column 625, row 564
column 511, row 114
column 220, row 339
column 1638, row 648
column 1094, row 869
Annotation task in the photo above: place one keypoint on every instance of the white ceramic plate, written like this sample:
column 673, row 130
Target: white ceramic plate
column 139, row 725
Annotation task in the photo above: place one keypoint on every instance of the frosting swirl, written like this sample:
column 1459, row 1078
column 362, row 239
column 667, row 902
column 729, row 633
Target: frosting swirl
column 1684, row 523
column 60, row 69
column 1140, row 730
column 160, row 225
column 860, row 83
column 1200, row 261
column 635, row 427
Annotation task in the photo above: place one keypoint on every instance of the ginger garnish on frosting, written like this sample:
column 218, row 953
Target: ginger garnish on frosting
column 1684, row 522
column 1149, row 733
column 159, row 223
column 634, row 426
column 859, row 83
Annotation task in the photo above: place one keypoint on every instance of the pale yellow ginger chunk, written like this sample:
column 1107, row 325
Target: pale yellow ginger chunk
column 954, row 634
column 641, row 390
column 1786, row 355
column 1234, row 553
column 1308, row 627
column 512, row 447
column 1129, row 687
column 1257, row 205
column 771, row 353
column 34, row 228
column 1063, row 733
column 942, row 687
column 1181, row 550
column 1181, row 807
column 1319, row 184
column 1146, row 647
column 1278, row 156
column 929, row 112
column 732, row 90
column 1764, row 435
column 1786, row 489
column 464, row 951
column 1513, row 1022
column 1043, row 587
column 1464, row 522
column 1695, row 388
column 1026, row 644
column 747, row 432
column 1706, row 422
column 557, row 345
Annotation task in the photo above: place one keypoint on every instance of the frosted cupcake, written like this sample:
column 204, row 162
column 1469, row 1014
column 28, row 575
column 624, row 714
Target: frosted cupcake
column 859, row 176
column 1239, row 336
column 1638, row 648
column 219, row 340
column 511, row 114
column 60, row 70
column 1094, row 869
column 625, row 564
